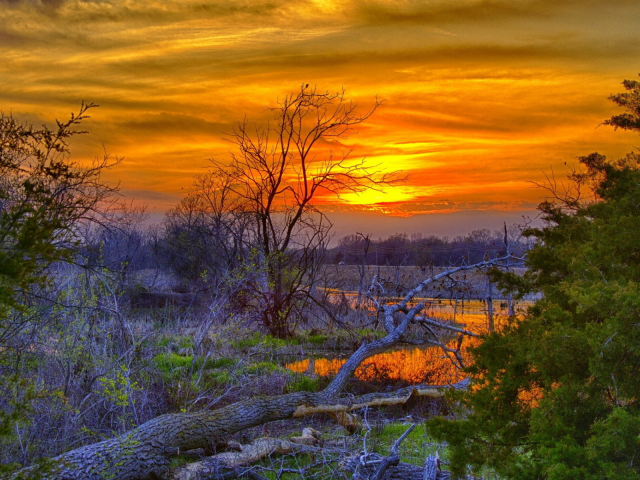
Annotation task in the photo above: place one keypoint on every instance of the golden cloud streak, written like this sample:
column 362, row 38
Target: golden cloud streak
column 481, row 95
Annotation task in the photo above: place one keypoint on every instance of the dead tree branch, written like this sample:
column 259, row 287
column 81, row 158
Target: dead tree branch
column 145, row 452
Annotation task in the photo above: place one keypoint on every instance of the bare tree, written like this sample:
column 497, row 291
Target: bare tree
column 145, row 451
column 206, row 234
column 278, row 172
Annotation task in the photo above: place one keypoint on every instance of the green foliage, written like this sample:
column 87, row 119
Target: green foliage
column 119, row 389
column 186, row 377
column 42, row 197
column 222, row 362
column 20, row 394
column 169, row 362
column 317, row 339
column 555, row 395
column 266, row 342
column 630, row 100
column 417, row 446
column 303, row 384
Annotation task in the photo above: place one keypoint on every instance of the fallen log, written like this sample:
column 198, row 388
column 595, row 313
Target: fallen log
column 145, row 452
column 228, row 464
column 431, row 467
column 238, row 464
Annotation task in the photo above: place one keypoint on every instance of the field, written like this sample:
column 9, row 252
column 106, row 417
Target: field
column 395, row 281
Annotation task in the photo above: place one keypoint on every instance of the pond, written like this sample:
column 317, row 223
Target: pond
column 415, row 365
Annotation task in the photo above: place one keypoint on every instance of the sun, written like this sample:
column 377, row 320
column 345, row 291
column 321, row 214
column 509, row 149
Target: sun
column 388, row 194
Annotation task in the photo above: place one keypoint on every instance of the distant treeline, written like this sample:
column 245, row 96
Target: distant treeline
column 421, row 250
column 192, row 253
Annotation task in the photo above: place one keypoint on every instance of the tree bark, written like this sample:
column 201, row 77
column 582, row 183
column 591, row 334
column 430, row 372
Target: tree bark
column 145, row 452
column 431, row 468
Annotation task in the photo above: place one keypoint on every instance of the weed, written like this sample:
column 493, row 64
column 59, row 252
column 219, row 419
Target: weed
column 169, row 362
column 303, row 384
column 414, row 449
column 267, row 341
column 317, row 339
column 180, row 341
column 221, row 362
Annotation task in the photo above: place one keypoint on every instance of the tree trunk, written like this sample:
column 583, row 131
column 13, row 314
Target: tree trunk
column 145, row 452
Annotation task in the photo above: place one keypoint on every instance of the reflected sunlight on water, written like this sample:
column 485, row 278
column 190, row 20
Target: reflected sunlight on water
column 410, row 365
column 413, row 365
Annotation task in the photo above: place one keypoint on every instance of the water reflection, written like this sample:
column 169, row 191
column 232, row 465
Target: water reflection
column 408, row 365
column 415, row 365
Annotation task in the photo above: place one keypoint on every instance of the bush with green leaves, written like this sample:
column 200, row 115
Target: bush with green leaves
column 555, row 395
column 46, row 202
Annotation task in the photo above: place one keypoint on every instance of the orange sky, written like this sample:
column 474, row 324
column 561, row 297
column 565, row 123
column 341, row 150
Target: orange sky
column 481, row 95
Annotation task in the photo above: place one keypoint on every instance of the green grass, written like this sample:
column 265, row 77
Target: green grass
column 169, row 362
column 317, row 339
column 414, row 449
column 216, row 377
column 174, row 366
column 303, row 384
column 222, row 362
column 181, row 341
column 262, row 368
column 267, row 341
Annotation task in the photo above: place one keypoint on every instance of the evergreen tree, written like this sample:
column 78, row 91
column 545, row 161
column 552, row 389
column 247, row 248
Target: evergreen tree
column 555, row 394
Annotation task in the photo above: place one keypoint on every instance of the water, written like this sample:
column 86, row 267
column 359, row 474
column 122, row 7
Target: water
column 414, row 365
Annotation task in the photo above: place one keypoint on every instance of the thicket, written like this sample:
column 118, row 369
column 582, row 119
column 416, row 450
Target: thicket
column 106, row 323
column 555, row 394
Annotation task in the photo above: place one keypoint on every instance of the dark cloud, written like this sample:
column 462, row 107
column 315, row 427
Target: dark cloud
column 12, row 39
column 237, row 63
column 442, row 55
column 52, row 3
column 44, row 5
column 440, row 13
column 152, row 11
column 437, row 206
column 168, row 124
column 237, row 8
column 489, row 11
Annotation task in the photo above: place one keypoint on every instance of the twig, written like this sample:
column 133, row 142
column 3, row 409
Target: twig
column 393, row 459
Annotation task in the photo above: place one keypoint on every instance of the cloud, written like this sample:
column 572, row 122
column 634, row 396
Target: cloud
column 468, row 12
column 436, row 206
column 481, row 94
column 169, row 124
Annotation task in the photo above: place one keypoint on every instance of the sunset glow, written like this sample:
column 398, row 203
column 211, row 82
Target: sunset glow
column 481, row 97
column 411, row 366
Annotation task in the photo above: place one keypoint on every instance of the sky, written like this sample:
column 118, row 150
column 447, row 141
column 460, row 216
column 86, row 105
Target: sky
column 481, row 97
